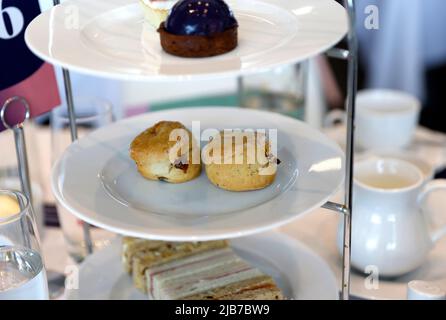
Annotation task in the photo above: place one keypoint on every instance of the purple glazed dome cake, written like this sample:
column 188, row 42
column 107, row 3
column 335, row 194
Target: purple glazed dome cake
column 199, row 28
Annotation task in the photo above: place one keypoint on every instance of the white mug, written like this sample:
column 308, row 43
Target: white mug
column 389, row 229
column 385, row 119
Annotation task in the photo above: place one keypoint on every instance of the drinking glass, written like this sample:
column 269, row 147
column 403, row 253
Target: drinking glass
column 91, row 114
column 22, row 273
column 280, row 90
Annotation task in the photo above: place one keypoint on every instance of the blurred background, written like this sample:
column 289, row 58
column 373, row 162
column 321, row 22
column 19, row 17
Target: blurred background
column 404, row 51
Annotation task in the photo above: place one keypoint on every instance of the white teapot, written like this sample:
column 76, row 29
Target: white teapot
column 389, row 228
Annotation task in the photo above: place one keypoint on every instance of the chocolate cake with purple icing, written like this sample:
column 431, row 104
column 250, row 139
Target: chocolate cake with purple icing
column 199, row 28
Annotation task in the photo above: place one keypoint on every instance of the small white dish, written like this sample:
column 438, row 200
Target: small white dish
column 298, row 272
column 118, row 199
column 109, row 38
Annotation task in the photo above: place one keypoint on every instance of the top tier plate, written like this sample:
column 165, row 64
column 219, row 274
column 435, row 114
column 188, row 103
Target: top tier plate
column 109, row 38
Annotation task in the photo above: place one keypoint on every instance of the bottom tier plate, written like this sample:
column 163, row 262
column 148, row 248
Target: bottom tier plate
column 298, row 272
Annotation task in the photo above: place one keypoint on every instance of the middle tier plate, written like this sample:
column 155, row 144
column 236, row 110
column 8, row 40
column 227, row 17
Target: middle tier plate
column 97, row 181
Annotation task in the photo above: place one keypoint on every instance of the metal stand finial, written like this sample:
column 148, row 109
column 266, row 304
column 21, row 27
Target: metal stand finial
column 20, row 144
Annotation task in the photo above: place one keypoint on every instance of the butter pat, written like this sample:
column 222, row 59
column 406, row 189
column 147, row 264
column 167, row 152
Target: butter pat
column 8, row 206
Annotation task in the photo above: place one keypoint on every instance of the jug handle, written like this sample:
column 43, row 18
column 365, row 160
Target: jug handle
column 430, row 187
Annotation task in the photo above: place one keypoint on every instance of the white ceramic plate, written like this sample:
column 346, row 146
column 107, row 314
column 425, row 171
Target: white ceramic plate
column 323, row 242
column 97, row 181
column 298, row 272
column 109, row 38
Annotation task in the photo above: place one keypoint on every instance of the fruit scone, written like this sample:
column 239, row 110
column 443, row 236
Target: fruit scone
column 238, row 161
column 165, row 152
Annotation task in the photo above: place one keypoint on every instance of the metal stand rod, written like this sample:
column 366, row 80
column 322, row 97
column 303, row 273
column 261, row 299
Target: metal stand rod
column 73, row 130
column 22, row 157
column 351, row 100
column 70, row 104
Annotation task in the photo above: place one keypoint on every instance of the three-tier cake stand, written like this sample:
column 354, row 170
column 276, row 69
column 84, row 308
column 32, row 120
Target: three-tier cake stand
column 40, row 40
